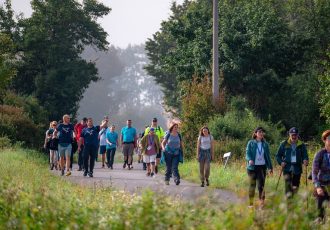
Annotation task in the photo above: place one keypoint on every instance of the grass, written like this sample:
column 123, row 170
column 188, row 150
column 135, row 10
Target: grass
column 33, row 198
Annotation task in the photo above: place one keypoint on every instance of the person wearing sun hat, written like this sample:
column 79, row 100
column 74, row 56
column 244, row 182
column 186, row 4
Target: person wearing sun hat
column 258, row 161
column 291, row 155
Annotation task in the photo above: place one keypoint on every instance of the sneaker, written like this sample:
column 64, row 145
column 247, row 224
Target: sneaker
column 202, row 184
column 124, row 166
column 177, row 182
column 51, row 166
column 68, row 173
column 207, row 182
column 250, row 206
column 130, row 167
column 62, row 172
column 103, row 166
column 111, row 167
column 167, row 182
column 108, row 165
column 85, row 173
column 56, row 167
column 148, row 174
column 79, row 169
column 90, row 174
column 152, row 174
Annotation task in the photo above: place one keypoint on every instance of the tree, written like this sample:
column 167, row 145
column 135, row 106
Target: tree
column 53, row 39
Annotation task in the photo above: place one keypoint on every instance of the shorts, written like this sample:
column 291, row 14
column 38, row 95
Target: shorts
column 149, row 158
column 64, row 151
column 103, row 149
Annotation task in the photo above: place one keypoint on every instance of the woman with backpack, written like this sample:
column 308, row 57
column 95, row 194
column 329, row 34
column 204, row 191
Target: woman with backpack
column 205, row 154
column 321, row 175
column 51, row 144
column 173, row 154
column 258, row 161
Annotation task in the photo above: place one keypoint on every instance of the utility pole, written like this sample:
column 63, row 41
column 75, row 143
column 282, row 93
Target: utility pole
column 215, row 66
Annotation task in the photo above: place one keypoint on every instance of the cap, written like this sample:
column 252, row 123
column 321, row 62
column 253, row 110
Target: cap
column 258, row 129
column 293, row 130
column 154, row 119
column 151, row 129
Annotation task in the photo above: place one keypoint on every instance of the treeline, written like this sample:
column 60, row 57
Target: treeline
column 274, row 58
column 42, row 72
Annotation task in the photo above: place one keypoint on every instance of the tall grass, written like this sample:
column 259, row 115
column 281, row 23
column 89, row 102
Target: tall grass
column 33, row 198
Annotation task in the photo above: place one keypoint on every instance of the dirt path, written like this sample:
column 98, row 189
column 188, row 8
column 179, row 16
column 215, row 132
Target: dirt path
column 135, row 181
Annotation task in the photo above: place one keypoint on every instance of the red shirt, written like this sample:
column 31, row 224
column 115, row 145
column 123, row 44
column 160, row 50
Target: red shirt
column 78, row 130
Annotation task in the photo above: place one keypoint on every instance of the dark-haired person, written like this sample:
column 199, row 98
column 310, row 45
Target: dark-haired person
column 258, row 161
column 78, row 130
column 128, row 141
column 103, row 140
column 173, row 147
column 112, row 143
column 321, row 174
column 160, row 133
column 89, row 137
column 291, row 155
column 205, row 154
column 65, row 134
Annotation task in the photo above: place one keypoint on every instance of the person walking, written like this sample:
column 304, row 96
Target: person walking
column 52, row 145
column 258, row 161
column 103, row 139
column 150, row 146
column 321, row 175
column 291, row 155
column 78, row 130
column 160, row 133
column 173, row 150
column 89, row 137
column 205, row 154
column 112, row 143
column 128, row 141
column 65, row 133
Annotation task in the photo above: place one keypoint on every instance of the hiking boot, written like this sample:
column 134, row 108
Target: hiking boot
column 68, row 173
column 62, row 172
column 85, row 173
column 90, row 174
column 207, row 182
column 177, row 182
column 156, row 169
column 167, row 182
column 202, row 184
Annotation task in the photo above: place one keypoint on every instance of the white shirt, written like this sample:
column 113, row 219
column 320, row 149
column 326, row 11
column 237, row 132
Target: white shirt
column 205, row 142
column 260, row 154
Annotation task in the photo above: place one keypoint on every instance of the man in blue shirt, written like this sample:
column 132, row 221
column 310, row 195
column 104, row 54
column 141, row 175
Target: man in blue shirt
column 128, row 141
column 65, row 133
column 89, row 137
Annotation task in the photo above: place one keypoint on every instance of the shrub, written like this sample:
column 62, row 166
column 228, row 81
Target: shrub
column 4, row 142
column 17, row 126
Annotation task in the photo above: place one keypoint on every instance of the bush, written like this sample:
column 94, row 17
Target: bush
column 4, row 142
column 17, row 126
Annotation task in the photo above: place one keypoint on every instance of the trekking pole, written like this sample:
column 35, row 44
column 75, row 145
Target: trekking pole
column 278, row 181
column 306, row 186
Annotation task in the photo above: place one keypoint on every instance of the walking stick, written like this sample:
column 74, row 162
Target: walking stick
column 278, row 181
column 306, row 186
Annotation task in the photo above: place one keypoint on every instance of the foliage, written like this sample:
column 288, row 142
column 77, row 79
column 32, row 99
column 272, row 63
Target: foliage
column 197, row 108
column 4, row 142
column 324, row 81
column 17, row 126
column 239, row 123
column 270, row 53
column 53, row 39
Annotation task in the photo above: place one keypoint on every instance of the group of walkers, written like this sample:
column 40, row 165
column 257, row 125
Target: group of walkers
column 291, row 156
column 154, row 146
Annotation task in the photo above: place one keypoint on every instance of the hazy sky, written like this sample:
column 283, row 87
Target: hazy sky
column 129, row 22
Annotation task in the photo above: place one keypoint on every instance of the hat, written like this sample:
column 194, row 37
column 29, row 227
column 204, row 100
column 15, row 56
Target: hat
column 151, row 129
column 293, row 130
column 154, row 119
column 258, row 129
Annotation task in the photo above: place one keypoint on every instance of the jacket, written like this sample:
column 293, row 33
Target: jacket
column 144, row 144
column 251, row 151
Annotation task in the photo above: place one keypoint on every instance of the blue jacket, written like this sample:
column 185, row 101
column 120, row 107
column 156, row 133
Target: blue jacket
column 284, row 155
column 251, row 151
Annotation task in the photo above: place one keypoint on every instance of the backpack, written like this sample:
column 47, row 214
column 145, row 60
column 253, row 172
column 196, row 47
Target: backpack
column 310, row 177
